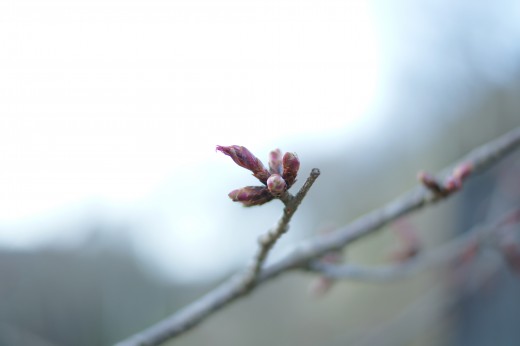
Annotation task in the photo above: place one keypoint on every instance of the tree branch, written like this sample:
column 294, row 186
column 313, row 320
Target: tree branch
column 267, row 241
column 315, row 247
column 445, row 254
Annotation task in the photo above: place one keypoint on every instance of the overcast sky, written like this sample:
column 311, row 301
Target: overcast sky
column 104, row 105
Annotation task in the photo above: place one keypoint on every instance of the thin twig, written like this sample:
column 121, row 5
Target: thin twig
column 315, row 247
column 267, row 241
column 235, row 287
column 445, row 254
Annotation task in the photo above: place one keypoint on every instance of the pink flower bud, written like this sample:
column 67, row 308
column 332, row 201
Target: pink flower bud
column 463, row 171
column 453, row 184
column 275, row 162
column 276, row 184
column 251, row 195
column 244, row 158
column 291, row 165
column 430, row 182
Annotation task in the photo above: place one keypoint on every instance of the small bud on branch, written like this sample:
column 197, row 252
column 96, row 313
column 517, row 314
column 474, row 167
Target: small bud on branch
column 251, row 195
column 244, row 158
column 276, row 184
column 427, row 180
column 291, row 165
column 453, row 182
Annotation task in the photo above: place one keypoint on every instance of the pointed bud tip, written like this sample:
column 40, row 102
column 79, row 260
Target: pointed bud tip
column 244, row 158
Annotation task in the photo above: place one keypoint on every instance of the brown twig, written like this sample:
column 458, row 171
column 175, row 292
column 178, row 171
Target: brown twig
column 313, row 248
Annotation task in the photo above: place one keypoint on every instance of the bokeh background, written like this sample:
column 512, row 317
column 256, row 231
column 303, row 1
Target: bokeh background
column 113, row 202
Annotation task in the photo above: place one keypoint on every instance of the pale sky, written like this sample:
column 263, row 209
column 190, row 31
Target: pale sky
column 102, row 103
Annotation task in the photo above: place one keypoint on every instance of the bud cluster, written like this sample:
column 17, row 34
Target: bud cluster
column 280, row 176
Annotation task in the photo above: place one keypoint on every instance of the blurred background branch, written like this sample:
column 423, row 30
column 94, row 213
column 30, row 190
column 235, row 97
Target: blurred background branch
column 462, row 248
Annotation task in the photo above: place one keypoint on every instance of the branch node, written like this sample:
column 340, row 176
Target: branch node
column 267, row 241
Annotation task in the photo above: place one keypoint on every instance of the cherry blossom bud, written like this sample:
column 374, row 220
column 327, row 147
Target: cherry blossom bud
column 453, row 184
column 244, row 158
column 291, row 165
column 463, row 171
column 454, row 181
column 275, row 162
column 251, row 195
column 276, row 184
column 428, row 181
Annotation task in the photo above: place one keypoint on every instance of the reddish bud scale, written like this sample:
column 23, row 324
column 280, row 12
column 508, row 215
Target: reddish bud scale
column 428, row 181
column 454, row 182
column 291, row 165
column 244, row 158
column 275, row 162
column 251, row 195
column 463, row 171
